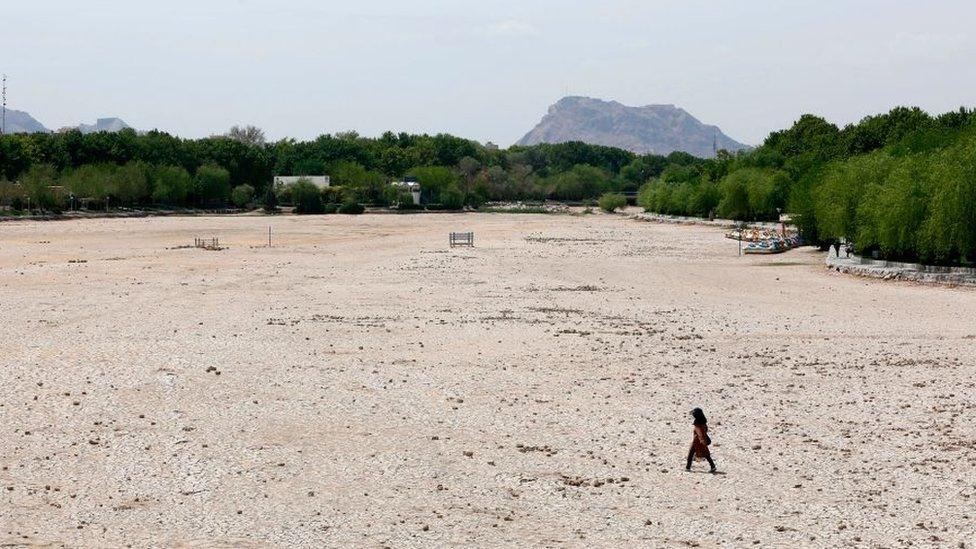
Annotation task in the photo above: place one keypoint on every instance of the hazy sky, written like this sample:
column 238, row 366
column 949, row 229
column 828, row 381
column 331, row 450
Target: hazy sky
column 480, row 69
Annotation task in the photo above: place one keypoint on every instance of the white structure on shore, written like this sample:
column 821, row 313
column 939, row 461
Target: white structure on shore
column 320, row 181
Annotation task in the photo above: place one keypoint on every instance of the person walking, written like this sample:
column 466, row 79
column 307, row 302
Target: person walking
column 700, row 440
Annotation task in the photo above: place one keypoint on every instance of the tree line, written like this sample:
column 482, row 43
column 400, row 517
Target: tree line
column 901, row 184
column 155, row 168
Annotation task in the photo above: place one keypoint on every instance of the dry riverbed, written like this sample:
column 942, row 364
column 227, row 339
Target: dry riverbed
column 360, row 384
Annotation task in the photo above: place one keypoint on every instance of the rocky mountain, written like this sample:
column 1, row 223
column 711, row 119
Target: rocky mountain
column 110, row 125
column 21, row 122
column 659, row 129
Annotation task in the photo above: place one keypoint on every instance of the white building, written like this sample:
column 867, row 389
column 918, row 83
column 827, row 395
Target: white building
column 320, row 181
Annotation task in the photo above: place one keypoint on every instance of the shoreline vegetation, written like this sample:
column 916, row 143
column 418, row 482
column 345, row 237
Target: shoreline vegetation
column 550, row 208
column 117, row 213
column 898, row 186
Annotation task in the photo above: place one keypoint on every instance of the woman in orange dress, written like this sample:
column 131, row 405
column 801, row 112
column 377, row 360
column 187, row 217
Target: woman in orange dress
column 700, row 442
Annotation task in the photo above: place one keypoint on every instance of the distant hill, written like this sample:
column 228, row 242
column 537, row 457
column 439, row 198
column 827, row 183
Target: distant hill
column 21, row 122
column 659, row 129
column 110, row 125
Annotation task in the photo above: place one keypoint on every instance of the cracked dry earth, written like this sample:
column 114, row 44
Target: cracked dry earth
column 360, row 384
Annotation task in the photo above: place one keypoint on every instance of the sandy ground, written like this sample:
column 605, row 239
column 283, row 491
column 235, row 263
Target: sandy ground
column 360, row 384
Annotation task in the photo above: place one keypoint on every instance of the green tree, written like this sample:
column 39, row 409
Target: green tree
column 130, row 183
column 802, row 209
column 368, row 185
column 242, row 195
column 212, row 184
column 704, row 198
column 92, row 181
column 753, row 194
column 837, row 198
column 38, row 183
column 949, row 231
column 452, row 198
column 891, row 211
column 435, row 181
column 735, row 197
column 655, row 196
column 170, row 185
column 810, row 134
column 469, row 168
column 249, row 135
column 579, row 183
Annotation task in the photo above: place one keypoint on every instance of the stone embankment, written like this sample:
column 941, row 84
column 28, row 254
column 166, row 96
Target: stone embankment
column 896, row 270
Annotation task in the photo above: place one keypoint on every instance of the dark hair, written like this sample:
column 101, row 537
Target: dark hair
column 699, row 416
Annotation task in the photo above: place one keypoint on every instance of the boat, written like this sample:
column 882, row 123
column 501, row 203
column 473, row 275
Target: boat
column 771, row 246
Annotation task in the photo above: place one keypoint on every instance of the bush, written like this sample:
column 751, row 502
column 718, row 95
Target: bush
column 270, row 199
column 306, row 197
column 330, row 208
column 655, row 197
column 404, row 200
column 242, row 195
column 11, row 195
column 452, row 198
column 38, row 183
column 610, row 202
column 283, row 194
column 332, row 195
column 351, row 208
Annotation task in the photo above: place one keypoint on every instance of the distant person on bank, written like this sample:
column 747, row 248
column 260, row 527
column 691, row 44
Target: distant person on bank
column 700, row 440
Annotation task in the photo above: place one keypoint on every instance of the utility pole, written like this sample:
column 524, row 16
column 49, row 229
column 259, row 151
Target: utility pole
column 3, row 117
